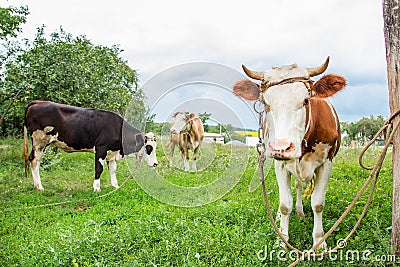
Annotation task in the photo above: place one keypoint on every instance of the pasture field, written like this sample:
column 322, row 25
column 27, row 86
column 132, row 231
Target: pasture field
column 130, row 227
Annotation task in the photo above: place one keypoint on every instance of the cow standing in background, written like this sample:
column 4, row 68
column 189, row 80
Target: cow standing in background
column 187, row 132
column 303, row 132
column 75, row 129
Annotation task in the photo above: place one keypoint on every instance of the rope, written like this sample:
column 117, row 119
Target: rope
column 386, row 127
column 390, row 131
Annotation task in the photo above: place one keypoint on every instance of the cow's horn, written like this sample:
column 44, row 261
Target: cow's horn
column 253, row 74
column 318, row 70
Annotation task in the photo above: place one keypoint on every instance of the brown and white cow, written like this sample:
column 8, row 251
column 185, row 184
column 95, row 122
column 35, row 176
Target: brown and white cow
column 303, row 132
column 75, row 129
column 187, row 132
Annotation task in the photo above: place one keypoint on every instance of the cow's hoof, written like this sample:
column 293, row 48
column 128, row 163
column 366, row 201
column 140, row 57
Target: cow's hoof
column 96, row 185
column 39, row 187
column 301, row 214
column 116, row 186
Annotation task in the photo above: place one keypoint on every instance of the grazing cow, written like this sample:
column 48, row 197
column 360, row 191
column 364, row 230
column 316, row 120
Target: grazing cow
column 187, row 132
column 303, row 132
column 75, row 129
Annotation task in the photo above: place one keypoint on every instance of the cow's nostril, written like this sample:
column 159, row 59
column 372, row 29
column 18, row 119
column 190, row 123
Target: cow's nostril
column 290, row 148
column 282, row 146
column 155, row 165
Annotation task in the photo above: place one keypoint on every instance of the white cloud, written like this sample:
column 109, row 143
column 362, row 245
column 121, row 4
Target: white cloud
column 260, row 34
column 356, row 102
column 198, row 87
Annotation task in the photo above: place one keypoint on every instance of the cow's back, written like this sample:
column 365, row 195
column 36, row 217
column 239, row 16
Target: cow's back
column 79, row 128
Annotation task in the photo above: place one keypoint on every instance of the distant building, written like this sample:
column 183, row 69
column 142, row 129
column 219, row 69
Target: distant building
column 214, row 138
column 251, row 141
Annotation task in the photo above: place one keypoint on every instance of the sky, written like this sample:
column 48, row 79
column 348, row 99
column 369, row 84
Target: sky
column 189, row 53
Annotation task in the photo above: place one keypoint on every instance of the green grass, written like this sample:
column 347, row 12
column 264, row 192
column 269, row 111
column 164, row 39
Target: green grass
column 135, row 227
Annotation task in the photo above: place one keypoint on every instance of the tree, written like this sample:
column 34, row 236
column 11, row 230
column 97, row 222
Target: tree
column 73, row 71
column 11, row 19
column 391, row 15
column 231, row 133
column 363, row 129
column 350, row 130
column 368, row 127
column 204, row 118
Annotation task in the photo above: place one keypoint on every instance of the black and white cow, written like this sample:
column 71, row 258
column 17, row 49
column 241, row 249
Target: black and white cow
column 75, row 129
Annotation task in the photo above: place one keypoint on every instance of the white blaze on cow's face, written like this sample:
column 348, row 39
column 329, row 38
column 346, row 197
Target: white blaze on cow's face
column 148, row 152
column 180, row 122
column 286, row 116
column 286, row 119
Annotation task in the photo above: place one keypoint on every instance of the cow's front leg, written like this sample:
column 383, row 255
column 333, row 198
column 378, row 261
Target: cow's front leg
column 185, row 159
column 299, row 199
column 112, row 166
column 196, row 151
column 99, row 164
column 318, row 201
column 171, row 155
column 285, row 198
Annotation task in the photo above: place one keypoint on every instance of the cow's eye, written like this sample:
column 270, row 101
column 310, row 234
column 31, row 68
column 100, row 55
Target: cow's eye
column 306, row 102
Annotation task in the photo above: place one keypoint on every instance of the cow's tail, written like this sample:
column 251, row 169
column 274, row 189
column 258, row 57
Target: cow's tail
column 168, row 144
column 25, row 151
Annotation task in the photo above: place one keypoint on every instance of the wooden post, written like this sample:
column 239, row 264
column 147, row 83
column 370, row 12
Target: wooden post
column 391, row 15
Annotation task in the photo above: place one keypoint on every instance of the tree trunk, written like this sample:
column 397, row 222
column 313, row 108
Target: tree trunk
column 391, row 14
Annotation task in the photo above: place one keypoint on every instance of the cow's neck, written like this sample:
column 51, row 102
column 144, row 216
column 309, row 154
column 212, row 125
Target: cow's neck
column 320, row 119
column 193, row 136
column 308, row 124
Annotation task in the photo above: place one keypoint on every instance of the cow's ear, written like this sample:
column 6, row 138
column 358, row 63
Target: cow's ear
column 247, row 89
column 192, row 116
column 139, row 141
column 329, row 85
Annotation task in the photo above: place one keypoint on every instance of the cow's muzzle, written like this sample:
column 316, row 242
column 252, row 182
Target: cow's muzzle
column 282, row 150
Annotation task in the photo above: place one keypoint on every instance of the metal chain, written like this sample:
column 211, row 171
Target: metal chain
column 260, row 132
